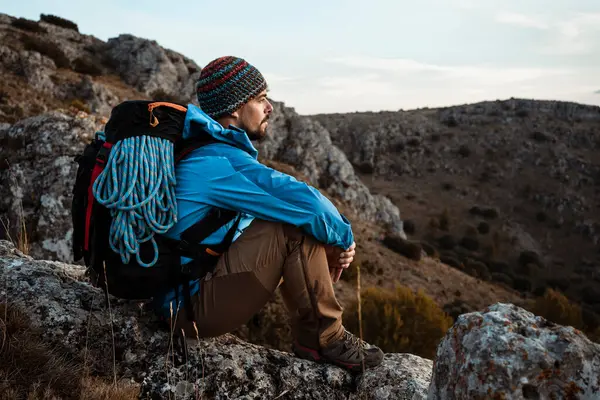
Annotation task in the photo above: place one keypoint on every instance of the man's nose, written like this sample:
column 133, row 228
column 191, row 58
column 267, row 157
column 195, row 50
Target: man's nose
column 269, row 109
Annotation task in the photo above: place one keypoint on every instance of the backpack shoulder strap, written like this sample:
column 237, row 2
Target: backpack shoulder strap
column 189, row 243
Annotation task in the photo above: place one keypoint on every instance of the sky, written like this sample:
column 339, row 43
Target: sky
column 343, row 56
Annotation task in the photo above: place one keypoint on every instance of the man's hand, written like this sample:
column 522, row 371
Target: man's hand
column 339, row 259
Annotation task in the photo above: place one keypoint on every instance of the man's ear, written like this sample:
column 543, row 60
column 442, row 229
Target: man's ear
column 235, row 114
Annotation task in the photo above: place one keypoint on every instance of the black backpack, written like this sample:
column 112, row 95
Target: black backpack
column 119, row 274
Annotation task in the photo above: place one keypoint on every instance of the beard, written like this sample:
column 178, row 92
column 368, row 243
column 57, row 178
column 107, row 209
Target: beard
column 259, row 134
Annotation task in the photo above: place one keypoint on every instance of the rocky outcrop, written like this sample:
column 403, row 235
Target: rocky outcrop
column 500, row 352
column 505, row 352
column 149, row 67
column 37, row 177
column 72, row 313
column 306, row 145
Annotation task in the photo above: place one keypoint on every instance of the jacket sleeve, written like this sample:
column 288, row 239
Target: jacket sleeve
column 267, row 194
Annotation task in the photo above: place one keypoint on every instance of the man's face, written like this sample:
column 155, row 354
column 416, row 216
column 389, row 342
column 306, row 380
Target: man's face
column 253, row 116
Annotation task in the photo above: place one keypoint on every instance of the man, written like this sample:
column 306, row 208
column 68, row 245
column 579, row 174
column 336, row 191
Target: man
column 288, row 234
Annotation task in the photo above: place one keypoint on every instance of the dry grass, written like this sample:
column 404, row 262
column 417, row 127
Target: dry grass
column 32, row 369
column 22, row 243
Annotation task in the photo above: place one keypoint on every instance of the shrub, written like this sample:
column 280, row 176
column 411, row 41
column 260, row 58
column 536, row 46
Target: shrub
column 409, row 227
column 522, row 113
column 479, row 269
column 444, row 220
column 590, row 294
column 28, row 25
column 451, row 261
column 490, row 213
column 456, row 308
column 483, row 228
column 561, row 284
column 470, row 243
column 86, row 66
column 530, row 257
column 541, row 216
column 58, row 21
column 464, row 151
column 555, row 307
column 408, row 249
column 80, row 105
column 48, row 49
column 522, row 284
column 400, row 321
column 502, row 278
column 447, row 242
column 430, row 250
column 530, row 270
column 448, row 186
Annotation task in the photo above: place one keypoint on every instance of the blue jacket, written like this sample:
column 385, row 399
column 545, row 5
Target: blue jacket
column 227, row 175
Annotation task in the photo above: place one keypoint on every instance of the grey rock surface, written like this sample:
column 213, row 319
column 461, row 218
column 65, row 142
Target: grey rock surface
column 72, row 313
column 509, row 353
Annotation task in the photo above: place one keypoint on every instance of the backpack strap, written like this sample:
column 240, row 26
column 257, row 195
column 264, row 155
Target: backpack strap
column 204, row 257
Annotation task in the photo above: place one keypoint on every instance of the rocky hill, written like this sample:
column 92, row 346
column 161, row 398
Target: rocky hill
column 517, row 183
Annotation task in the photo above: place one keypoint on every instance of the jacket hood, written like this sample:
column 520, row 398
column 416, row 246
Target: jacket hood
column 197, row 122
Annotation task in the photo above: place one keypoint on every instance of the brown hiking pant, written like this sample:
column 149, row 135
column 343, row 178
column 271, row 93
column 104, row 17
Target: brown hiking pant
column 247, row 275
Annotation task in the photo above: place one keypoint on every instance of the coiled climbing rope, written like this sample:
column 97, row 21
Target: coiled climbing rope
column 138, row 186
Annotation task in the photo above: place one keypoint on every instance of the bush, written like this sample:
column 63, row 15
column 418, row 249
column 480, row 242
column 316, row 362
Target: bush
column 490, row 213
column 464, row 151
column 400, row 321
column 457, row 308
column 28, row 25
column 80, row 105
column 530, row 257
column 483, row 228
column 48, row 49
column 560, row 284
column 590, row 294
column 86, row 66
column 502, row 278
column 522, row 284
column 447, row 242
column 541, row 216
column 479, row 270
column 530, row 270
column 408, row 249
column 58, row 21
column 470, row 243
column 555, row 307
column 444, row 220
column 430, row 250
column 409, row 227
column 451, row 261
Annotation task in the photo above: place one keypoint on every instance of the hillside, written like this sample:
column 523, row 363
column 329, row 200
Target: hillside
column 58, row 86
column 515, row 182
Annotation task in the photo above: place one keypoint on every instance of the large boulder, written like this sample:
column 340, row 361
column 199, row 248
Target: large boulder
column 73, row 316
column 505, row 352
column 148, row 67
column 37, row 173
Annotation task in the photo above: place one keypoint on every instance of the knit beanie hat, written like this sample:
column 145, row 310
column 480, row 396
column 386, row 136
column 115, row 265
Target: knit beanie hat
column 226, row 84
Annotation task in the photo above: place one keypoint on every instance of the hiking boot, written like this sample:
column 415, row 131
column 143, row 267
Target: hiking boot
column 345, row 352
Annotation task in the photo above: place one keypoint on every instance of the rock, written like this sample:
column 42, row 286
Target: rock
column 36, row 187
column 58, row 299
column 148, row 67
column 507, row 352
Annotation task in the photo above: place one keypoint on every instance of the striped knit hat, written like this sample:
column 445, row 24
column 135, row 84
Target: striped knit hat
column 226, row 84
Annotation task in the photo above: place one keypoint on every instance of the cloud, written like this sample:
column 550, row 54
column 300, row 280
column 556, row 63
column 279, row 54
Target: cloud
column 577, row 34
column 372, row 83
column 476, row 74
column 521, row 20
